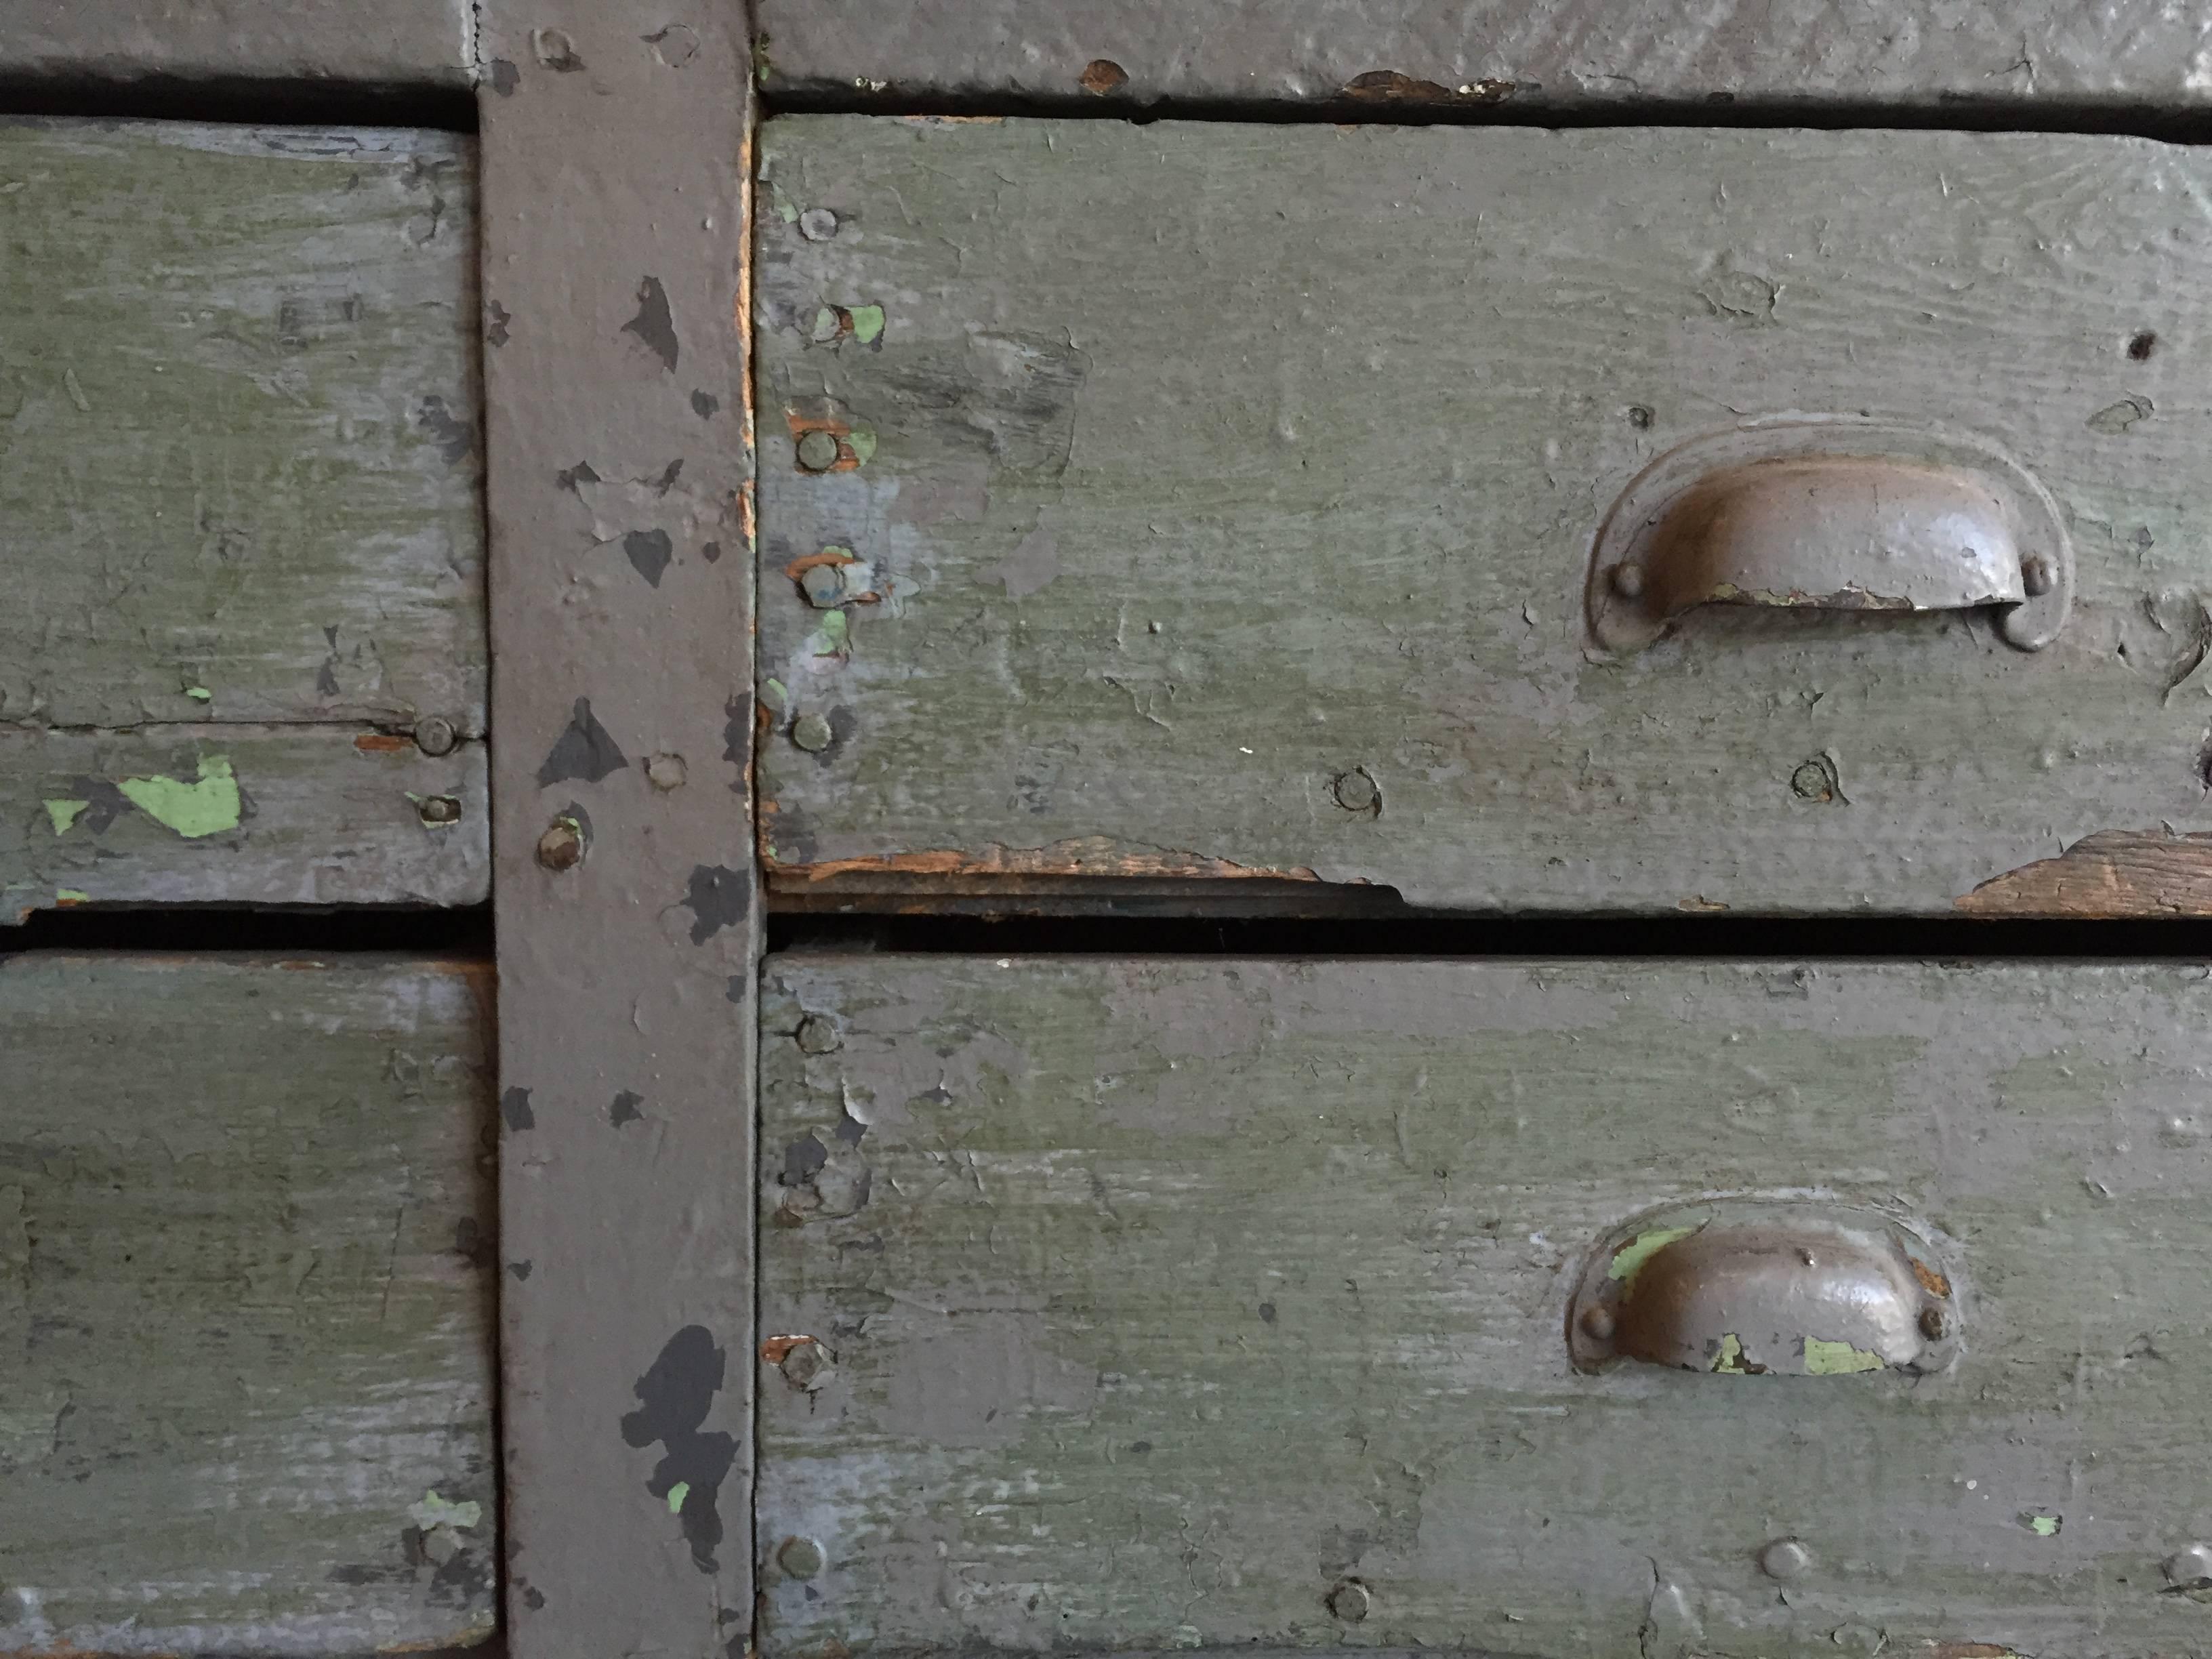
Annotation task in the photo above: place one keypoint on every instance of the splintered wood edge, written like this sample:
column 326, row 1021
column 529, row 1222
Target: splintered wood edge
column 1089, row 856
column 2114, row 874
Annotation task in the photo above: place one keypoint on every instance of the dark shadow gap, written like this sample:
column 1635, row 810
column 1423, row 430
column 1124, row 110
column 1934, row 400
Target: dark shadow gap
column 168, row 929
column 1417, row 934
column 1717, row 110
column 241, row 101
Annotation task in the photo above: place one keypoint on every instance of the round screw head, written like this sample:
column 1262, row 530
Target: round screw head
column 818, row 1034
column 435, row 735
column 2190, row 1567
column 817, row 224
column 1785, row 1559
column 562, row 845
column 1356, row 791
column 823, row 585
column 1627, row 581
column 811, row 732
column 1597, row 1323
column 2035, row 576
column 1351, row 1601
column 817, row 450
column 802, row 1363
column 667, row 772
column 802, row 1558
column 1811, row 783
column 439, row 809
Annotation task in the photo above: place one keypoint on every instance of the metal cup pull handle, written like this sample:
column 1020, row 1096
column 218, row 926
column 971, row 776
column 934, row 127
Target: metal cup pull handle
column 1832, row 515
column 1746, row 1289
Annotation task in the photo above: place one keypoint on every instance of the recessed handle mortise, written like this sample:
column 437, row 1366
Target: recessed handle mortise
column 1831, row 515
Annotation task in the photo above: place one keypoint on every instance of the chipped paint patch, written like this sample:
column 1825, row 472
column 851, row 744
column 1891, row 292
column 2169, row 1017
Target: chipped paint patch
column 437, row 1511
column 64, row 814
column 676, row 1494
column 199, row 694
column 2043, row 1523
column 1729, row 1360
column 868, row 324
column 1628, row 1261
column 70, row 896
column 1838, row 1358
column 207, row 806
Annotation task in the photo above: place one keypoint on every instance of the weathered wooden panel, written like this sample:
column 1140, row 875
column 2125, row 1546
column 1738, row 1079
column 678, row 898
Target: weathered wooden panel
column 276, row 814
column 1522, row 57
column 620, row 510
column 1221, row 499
column 374, row 42
column 246, row 1298
column 1143, row 1305
column 240, row 485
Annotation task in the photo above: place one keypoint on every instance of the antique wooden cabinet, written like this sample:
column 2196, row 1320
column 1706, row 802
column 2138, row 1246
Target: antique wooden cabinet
column 1278, row 827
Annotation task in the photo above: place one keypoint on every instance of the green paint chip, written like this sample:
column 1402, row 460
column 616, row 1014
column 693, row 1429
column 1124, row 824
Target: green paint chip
column 1630, row 1258
column 437, row 1511
column 2043, row 1525
column 1729, row 1360
column 864, row 444
column 1838, row 1358
column 774, row 696
column 70, row 896
column 199, row 694
column 676, row 1494
column 207, row 807
column 828, row 639
column 868, row 324
column 64, row 814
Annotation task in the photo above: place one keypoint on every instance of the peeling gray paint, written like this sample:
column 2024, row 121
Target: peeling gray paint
column 587, row 751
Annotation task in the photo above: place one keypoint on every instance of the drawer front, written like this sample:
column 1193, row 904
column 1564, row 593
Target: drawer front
column 1516, row 58
column 1208, row 500
column 245, row 660
column 245, row 1306
column 1207, row 1303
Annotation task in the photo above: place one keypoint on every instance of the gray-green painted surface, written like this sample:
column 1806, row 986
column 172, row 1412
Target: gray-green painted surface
column 376, row 43
column 240, row 490
column 1155, row 1299
column 1208, row 465
column 245, row 1305
column 1516, row 57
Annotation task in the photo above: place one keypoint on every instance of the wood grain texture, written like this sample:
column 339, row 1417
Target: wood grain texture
column 1138, row 1305
column 617, row 161
column 246, row 1298
column 240, row 485
column 378, row 43
column 1524, row 57
column 1229, row 493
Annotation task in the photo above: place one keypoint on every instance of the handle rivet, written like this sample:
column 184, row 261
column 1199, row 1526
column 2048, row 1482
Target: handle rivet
column 817, row 224
column 1628, row 581
column 1597, row 1324
column 1350, row 1601
column 818, row 1034
column 2190, row 1568
column 2035, row 576
column 803, row 1364
column 1356, row 791
column 817, row 450
column 812, row 734
column 1785, row 1559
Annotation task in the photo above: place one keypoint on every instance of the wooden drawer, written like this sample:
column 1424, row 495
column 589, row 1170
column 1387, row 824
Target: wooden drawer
column 245, row 1305
column 1141, row 1306
column 1518, row 59
column 245, row 657
column 1210, row 501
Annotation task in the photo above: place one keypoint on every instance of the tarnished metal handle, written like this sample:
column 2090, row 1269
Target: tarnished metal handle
column 1745, row 1288
column 1852, row 515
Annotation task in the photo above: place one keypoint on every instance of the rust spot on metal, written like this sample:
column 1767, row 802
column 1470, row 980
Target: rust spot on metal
column 1930, row 1281
column 2111, row 874
column 1388, row 86
column 776, row 1349
column 1968, row 1650
column 1700, row 905
column 798, row 568
column 848, row 458
column 1090, row 855
column 1102, row 76
column 381, row 742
